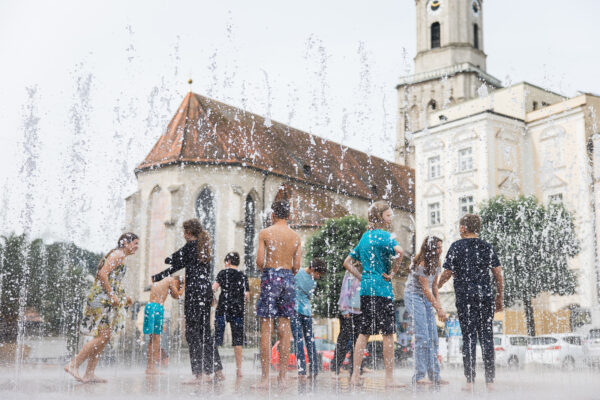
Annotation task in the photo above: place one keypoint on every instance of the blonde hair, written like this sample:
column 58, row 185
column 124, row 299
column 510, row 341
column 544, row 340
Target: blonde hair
column 376, row 215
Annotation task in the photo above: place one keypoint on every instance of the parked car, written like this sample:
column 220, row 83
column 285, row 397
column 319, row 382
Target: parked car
column 559, row 350
column 326, row 350
column 591, row 347
column 510, row 350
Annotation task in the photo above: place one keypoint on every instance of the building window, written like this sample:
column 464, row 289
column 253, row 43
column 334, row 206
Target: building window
column 555, row 198
column 465, row 159
column 434, row 167
column 434, row 214
column 476, row 36
column 435, row 35
column 535, row 105
column 206, row 213
column 466, row 205
column 249, row 233
column 432, row 105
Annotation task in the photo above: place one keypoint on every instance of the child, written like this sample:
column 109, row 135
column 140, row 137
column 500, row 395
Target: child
column 469, row 261
column 278, row 257
column 302, row 324
column 154, row 315
column 235, row 290
column 374, row 252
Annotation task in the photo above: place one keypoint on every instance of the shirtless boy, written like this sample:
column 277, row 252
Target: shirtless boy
column 154, row 315
column 279, row 257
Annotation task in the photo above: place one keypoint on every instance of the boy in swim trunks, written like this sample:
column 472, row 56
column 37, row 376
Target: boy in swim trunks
column 279, row 258
column 154, row 316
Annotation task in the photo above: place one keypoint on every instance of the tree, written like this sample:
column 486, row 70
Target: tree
column 333, row 242
column 51, row 279
column 534, row 244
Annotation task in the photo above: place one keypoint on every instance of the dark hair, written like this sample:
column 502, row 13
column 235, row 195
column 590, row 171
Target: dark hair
column 472, row 223
column 125, row 239
column 428, row 255
column 194, row 227
column 233, row 257
column 376, row 215
column 318, row 265
column 281, row 209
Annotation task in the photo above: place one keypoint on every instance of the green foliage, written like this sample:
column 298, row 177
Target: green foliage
column 533, row 243
column 333, row 242
column 49, row 279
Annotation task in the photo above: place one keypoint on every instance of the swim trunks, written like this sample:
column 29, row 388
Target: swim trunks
column 153, row 319
column 277, row 294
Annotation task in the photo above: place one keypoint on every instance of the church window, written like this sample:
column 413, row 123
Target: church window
column 206, row 213
column 435, row 35
column 249, row 234
column 555, row 198
column 476, row 36
column 535, row 105
column 432, row 105
column 465, row 159
column 466, row 205
column 434, row 212
column 434, row 167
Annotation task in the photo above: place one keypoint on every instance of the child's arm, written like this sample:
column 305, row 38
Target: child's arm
column 260, row 254
column 497, row 272
column 444, row 277
column 175, row 292
column 349, row 265
column 215, row 286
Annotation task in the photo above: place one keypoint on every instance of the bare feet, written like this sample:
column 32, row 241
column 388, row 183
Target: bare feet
column 468, row 387
column 441, row 382
column 390, row 384
column 355, row 381
column 219, row 377
column 423, row 382
column 238, row 373
column 70, row 369
column 282, row 382
column 153, row 371
column 262, row 385
column 93, row 379
column 489, row 386
column 196, row 381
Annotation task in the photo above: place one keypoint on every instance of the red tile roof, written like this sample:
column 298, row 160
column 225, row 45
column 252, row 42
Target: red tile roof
column 205, row 131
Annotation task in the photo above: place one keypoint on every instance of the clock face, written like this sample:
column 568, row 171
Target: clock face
column 434, row 6
column 476, row 8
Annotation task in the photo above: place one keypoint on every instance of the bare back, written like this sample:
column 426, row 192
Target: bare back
column 160, row 290
column 281, row 246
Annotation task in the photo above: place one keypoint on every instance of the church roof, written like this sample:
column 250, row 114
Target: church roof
column 205, row 131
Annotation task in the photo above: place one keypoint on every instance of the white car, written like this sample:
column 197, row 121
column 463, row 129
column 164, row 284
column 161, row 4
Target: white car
column 560, row 350
column 591, row 347
column 510, row 350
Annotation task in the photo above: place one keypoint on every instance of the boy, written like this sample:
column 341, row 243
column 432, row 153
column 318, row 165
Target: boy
column 154, row 316
column 469, row 260
column 302, row 324
column 279, row 256
column 235, row 290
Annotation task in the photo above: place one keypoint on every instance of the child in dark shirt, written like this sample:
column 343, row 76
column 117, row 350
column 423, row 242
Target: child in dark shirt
column 469, row 261
column 235, row 290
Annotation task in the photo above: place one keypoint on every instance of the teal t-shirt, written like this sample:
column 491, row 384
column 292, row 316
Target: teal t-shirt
column 305, row 286
column 374, row 252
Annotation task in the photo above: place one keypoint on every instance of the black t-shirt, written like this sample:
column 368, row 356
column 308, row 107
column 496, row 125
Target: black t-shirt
column 233, row 285
column 470, row 261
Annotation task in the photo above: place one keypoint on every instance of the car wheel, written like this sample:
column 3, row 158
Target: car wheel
column 513, row 362
column 568, row 364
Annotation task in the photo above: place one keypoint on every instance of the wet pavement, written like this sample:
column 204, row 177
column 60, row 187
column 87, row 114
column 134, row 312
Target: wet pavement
column 44, row 381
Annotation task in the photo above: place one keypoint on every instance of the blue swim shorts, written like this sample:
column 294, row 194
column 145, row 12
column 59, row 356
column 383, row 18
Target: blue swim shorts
column 154, row 314
column 277, row 294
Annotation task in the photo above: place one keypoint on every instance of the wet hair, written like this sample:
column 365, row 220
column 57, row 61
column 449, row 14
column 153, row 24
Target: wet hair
column 194, row 227
column 233, row 257
column 376, row 215
column 318, row 265
column 472, row 223
column 428, row 255
column 125, row 239
column 281, row 209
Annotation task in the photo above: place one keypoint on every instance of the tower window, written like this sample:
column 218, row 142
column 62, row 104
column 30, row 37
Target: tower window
column 435, row 35
column 476, row 36
column 432, row 105
column 535, row 105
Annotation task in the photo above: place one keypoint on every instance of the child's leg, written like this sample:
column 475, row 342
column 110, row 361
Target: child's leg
column 311, row 347
column 99, row 344
column 296, row 326
column 150, row 355
column 284, row 346
column 237, row 350
column 359, row 352
column 266, row 328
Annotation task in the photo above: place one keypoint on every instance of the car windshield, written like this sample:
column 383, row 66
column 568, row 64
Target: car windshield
column 323, row 345
column 540, row 341
column 497, row 341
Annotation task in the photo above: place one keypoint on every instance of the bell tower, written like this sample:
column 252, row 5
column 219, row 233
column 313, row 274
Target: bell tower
column 450, row 66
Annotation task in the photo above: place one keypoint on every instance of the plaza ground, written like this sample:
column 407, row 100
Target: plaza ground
column 48, row 381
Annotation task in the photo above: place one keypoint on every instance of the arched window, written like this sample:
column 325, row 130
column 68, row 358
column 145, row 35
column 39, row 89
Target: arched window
column 435, row 35
column 249, row 234
column 476, row 36
column 206, row 212
column 432, row 105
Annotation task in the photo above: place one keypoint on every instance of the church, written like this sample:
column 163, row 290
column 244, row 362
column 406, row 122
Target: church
column 469, row 139
column 225, row 166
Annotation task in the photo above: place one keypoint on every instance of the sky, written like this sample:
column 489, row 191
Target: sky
column 88, row 87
